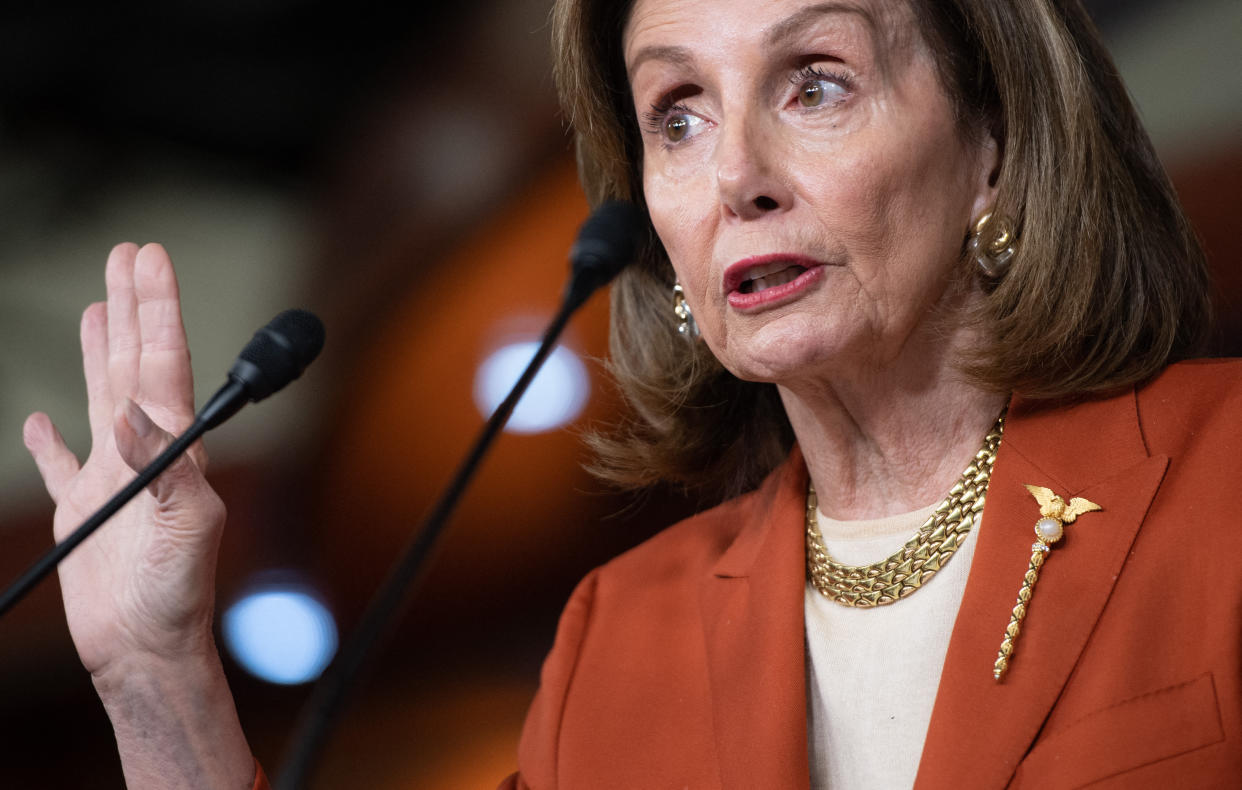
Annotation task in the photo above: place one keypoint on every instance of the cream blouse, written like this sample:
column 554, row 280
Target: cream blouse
column 872, row 674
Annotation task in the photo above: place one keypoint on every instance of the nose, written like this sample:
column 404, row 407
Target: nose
column 749, row 178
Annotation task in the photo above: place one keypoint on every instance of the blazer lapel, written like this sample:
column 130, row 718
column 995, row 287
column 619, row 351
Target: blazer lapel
column 980, row 728
column 752, row 610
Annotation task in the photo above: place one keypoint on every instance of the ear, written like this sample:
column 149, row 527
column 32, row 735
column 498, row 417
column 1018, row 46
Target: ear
column 987, row 176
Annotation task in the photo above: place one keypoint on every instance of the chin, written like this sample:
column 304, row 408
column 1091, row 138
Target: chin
column 783, row 351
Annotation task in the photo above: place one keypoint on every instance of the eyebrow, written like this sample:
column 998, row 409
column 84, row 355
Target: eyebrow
column 679, row 56
column 779, row 33
column 791, row 25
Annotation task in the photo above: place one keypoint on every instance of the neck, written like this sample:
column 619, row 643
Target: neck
column 876, row 448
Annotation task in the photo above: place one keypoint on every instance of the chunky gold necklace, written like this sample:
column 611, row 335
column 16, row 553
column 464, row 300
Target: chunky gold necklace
column 909, row 568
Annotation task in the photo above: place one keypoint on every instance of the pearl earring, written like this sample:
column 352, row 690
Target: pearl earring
column 686, row 325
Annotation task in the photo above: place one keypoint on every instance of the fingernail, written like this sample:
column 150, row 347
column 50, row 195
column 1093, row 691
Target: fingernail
column 137, row 418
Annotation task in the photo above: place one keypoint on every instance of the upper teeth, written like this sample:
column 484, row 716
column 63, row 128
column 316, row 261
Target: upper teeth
column 771, row 280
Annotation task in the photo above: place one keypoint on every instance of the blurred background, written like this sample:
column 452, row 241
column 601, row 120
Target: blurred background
column 402, row 170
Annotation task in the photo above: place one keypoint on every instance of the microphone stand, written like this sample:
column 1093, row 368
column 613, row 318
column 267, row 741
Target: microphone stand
column 321, row 710
column 606, row 243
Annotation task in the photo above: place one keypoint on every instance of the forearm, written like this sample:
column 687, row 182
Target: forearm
column 176, row 725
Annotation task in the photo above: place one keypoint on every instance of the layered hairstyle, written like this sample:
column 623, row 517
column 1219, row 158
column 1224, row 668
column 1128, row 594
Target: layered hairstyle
column 1108, row 285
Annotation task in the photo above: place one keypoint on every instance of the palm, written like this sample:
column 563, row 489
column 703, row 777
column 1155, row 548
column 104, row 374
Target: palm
column 143, row 582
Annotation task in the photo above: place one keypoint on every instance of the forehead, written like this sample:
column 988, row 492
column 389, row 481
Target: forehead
column 676, row 27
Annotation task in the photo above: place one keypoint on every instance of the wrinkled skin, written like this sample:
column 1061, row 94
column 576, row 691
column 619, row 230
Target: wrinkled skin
column 782, row 132
column 139, row 594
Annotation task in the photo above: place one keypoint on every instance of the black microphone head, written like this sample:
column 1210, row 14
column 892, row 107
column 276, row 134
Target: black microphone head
column 278, row 353
column 607, row 242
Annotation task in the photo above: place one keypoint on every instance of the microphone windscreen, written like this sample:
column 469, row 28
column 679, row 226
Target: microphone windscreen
column 278, row 353
column 608, row 241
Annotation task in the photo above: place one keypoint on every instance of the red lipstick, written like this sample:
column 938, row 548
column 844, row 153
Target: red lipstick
column 767, row 280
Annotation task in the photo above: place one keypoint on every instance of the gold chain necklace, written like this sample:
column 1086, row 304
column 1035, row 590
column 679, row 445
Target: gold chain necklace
column 907, row 569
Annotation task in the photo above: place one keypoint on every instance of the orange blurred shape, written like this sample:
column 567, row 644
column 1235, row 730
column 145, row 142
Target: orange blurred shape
column 411, row 415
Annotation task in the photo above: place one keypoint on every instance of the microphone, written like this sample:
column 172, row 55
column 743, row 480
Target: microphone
column 275, row 356
column 606, row 244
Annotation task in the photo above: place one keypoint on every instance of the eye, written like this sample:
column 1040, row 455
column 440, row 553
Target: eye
column 673, row 124
column 680, row 125
column 817, row 88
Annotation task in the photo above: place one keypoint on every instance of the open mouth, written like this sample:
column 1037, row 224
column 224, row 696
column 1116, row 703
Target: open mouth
column 757, row 284
column 764, row 281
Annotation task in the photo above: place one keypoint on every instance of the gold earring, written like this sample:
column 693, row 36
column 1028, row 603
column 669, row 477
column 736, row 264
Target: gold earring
column 994, row 256
column 686, row 325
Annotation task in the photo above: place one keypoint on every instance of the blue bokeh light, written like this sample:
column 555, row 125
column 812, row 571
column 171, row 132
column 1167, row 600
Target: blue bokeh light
column 556, row 396
column 280, row 634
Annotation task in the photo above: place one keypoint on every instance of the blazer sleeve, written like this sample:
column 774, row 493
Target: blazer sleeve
column 541, row 734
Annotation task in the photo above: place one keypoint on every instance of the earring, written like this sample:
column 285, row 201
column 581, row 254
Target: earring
column 685, row 320
column 993, row 257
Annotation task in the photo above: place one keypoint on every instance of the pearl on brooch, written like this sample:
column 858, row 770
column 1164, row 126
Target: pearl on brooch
column 1049, row 529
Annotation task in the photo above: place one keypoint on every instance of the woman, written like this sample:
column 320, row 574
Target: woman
column 905, row 216
column 892, row 240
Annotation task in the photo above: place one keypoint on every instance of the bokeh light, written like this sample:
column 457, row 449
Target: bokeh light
column 554, row 398
column 281, row 634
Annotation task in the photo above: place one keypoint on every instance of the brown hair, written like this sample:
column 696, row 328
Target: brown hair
column 1108, row 286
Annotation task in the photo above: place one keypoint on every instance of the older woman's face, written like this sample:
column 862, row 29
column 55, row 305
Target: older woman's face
column 804, row 170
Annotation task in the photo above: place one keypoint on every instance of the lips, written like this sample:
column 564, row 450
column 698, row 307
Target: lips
column 769, row 279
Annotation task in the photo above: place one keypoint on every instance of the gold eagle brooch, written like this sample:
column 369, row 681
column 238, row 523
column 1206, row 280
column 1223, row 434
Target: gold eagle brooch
column 1049, row 529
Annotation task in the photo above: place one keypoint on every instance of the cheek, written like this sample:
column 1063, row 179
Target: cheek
column 894, row 206
column 677, row 220
column 854, row 196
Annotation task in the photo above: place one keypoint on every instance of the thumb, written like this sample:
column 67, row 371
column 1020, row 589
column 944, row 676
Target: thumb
column 139, row 441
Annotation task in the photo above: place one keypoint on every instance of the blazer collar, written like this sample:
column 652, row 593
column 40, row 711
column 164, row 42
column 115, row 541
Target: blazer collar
column 980, row 728
column 752, row 610
column 752, row 603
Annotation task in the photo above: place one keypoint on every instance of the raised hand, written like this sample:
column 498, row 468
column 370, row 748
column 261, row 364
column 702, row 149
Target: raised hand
column 139, row 593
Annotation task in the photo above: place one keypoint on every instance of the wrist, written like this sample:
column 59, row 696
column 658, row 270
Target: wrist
column 175, row 722
column 190, row 662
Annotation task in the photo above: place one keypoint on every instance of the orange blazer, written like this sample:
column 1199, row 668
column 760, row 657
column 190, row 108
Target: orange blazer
column 680, row 664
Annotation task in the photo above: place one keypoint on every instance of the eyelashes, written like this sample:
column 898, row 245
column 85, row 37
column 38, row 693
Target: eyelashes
column 812, row 73
column 672, row 120
column 670, row 108
column 818, row 87
column 656, row 119
column 815, row 71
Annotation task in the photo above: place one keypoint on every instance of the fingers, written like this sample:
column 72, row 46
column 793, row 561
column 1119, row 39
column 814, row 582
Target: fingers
column 57, row 464
column 139, row 440
column 94, row 334
column 148, row 358
column 165, row 381
column 141, row 350
column 124, row 337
